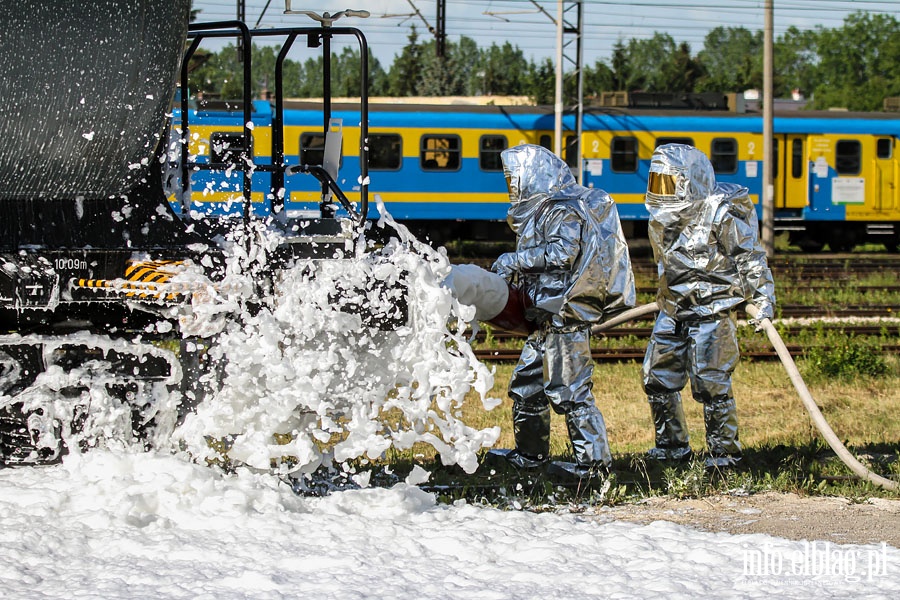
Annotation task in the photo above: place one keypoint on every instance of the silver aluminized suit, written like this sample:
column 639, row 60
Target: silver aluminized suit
column 572, row 261
column 705, row 239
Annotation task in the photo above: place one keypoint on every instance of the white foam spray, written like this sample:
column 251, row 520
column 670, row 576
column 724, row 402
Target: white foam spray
column 307, row 381
column 307, row 377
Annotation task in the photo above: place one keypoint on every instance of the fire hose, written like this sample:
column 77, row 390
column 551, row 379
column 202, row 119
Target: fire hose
column 805, row 396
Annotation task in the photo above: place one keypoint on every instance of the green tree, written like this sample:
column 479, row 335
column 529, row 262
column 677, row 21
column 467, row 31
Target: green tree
column 439, row 76
column 732, row 60
column 406, row 70
column 345, row 70
column 503, row 70
column 263, row 63
column 598, row 78
column 219, row 75
column 311, row 77
column 542, row 82
column 859, row 64
column 682, row 72
column 468, row 54
column 621, row 67
column 443, row 76
column 795, row 59
column 646, row 63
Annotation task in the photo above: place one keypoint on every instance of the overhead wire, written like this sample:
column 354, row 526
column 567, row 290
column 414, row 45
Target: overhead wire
column 606, row 22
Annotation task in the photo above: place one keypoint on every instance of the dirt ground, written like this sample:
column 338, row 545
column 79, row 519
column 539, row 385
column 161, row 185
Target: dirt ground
column 790, row 516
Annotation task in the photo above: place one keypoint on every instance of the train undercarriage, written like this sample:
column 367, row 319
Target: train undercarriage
column 841, row 236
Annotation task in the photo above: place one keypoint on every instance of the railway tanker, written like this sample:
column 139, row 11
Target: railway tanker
column 93, row 297
column 437, row 168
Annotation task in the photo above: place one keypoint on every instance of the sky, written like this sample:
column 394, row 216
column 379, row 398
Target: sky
column 529, row 24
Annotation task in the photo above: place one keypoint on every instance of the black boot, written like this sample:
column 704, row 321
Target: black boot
column 672, row 440
column 570, row 472
column 502, row 458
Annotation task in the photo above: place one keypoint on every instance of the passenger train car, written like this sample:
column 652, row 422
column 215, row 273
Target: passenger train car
column 437, row 168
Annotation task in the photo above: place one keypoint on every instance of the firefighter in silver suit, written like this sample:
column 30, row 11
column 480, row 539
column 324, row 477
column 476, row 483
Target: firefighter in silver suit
column 705, row 239
column 572, row 262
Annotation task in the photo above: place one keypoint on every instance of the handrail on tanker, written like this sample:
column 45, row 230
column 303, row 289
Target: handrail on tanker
column 217, row 29
column 278, row 168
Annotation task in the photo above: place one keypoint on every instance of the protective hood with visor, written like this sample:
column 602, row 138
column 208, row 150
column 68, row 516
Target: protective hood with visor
column 534, row 176
column 680, row 175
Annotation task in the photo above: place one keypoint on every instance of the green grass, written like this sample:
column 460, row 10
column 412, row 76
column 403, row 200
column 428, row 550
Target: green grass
column 782, row 449
column 854, row 384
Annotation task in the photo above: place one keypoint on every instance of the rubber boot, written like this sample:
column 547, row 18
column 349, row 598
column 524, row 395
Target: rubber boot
column 672, row 439
column 531, row 429
column 587, row 432
column 720, row 417
column 501, row 458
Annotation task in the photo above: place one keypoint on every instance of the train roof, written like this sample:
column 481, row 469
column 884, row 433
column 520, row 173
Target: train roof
column 385, row 115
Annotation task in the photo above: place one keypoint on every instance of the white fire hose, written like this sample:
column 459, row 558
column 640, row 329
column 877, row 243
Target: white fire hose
column 808, row 401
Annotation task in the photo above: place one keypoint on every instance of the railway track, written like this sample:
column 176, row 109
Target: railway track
column 510, row 353
column 808, row 286
column 607, row 355
column 644, row 331
column 784, row 266
column 799, row 273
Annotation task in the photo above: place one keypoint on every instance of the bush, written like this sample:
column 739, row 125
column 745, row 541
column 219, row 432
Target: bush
column 846, row 359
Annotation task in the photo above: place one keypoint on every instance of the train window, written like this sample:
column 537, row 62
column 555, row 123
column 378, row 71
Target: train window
column 226, row 147
column 312, row 148
column 674, row 140
column 571, row 150
column 797, row 158
column 440, row 152
column 623, row 154
column 884, row 147
column 848, row 157
column 490, row 147
column 385, row 151
column 723, row 155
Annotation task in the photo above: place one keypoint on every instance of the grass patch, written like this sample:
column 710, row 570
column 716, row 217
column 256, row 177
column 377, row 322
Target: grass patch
column 854, row 385
column 782, row 449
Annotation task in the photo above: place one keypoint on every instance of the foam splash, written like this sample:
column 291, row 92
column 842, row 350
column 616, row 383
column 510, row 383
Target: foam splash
column 307, row 383
column 307, row 377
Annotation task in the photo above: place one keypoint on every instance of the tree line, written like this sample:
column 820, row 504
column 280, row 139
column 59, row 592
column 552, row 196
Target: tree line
column 854, row 66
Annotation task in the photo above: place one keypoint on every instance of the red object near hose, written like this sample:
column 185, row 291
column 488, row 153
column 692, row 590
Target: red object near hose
column 512, row 317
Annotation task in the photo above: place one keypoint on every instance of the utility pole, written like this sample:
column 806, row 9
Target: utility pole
column 441, row 33
column 242, row 17
column 768, row 199
column 579, row 101
column 558, row 96
column 565, row 27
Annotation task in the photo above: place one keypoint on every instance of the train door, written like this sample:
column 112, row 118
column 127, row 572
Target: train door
column 885, row 175
column 791, row 174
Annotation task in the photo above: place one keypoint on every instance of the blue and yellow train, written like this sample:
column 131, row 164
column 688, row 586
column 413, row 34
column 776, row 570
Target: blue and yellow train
column 437, row 168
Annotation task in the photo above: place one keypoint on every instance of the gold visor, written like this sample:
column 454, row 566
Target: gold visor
column 661, row 184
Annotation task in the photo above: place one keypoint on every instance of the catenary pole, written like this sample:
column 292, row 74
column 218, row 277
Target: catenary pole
column 768, row 212
column 558, row 100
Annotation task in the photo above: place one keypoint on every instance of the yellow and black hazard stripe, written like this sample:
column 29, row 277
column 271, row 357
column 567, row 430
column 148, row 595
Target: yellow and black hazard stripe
column 144, row 280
